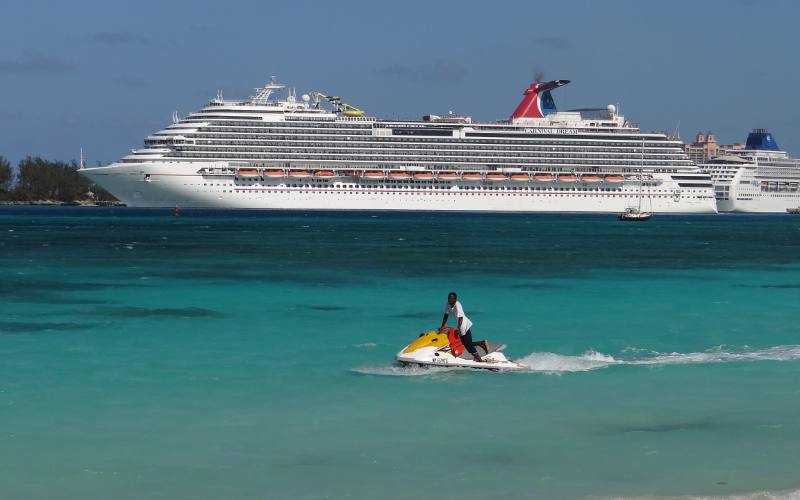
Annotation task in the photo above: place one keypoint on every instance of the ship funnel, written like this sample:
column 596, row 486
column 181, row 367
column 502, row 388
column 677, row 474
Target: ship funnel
column 537, row 101
column 761, row 139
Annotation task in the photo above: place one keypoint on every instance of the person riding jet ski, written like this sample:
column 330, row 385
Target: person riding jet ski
column 464, row 328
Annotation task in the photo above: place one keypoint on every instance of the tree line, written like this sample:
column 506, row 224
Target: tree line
column 37, row 179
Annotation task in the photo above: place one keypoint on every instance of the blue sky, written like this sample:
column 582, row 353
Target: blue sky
column 103, row 74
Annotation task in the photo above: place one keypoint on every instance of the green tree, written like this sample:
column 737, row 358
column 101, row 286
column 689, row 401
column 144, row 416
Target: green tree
column 40, row 179
column 6, row 175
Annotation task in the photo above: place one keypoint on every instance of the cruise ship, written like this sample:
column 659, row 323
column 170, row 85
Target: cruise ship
column 316, row 152
column 758, row 178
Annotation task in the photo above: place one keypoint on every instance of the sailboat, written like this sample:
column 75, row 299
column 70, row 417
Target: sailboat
column 636, row 213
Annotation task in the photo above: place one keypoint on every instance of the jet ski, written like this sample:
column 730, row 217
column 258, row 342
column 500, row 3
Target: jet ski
column 443, row 348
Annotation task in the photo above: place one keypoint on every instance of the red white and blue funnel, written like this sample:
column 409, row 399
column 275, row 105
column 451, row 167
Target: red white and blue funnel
column 537, row 101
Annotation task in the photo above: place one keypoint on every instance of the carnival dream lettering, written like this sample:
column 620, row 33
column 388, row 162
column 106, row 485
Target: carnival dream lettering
column 564, row 131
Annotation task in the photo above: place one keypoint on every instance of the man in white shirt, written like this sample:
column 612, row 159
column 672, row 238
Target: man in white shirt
column 464, row 328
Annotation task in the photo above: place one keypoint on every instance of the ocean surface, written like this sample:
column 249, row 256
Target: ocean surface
column 250, row 355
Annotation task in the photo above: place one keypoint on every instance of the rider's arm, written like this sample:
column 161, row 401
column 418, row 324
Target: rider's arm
column 460, row 319
column 444, row 321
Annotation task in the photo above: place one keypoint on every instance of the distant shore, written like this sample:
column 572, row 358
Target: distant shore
column 76, row 203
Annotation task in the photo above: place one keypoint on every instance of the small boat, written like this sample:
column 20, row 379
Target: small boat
column 567, row 177
column 274, row 173
column 324, row 173
column 399, row 175
column 472, row 176
column 299, row 174
column 634, row 214
column 543, row 177
column 247, row 172
column 352, row 173
column 591, row 178
column 520, row 177
column 448, row 176
column 495, row 176
column 374, row 174
column 423, row 176
column 615, row 178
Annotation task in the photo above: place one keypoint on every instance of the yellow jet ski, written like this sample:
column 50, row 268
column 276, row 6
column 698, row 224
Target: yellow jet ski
column 443, row 348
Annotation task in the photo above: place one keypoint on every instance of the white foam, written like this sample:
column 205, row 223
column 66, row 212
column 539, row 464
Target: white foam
column 403, row 371
column 754, row 495
column 720, row 355
column 591, row 360
column 556, row 363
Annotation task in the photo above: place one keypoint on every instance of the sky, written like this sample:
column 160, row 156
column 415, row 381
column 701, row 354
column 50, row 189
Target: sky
column 101, row 75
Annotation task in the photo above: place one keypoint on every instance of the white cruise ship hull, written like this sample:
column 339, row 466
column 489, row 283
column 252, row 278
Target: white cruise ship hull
column 175, row 184
column 760, row 204
column 745, row 194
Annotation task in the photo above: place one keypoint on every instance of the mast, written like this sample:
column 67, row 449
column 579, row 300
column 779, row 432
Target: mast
column 641, row 176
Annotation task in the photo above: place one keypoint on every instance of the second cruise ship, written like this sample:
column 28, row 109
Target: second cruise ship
column 758, row 178
column 317, row 152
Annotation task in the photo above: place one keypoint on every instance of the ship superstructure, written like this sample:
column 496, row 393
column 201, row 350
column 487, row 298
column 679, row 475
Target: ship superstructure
column 758, row 178
column 290, row 153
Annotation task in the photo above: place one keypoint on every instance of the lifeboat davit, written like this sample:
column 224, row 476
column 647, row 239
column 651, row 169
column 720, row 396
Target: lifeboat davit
column 591, row 178
column 247, row 172
column 567, row 177
column 423, row 175
column 472, row 176
column 274, row 173
column 299, row 174
column 496, row 177
column 374, row 174
column 615, row 178
column 543, row 177
column 399, row 175
column 324, row 173
column 448, row 175
column 520, row 177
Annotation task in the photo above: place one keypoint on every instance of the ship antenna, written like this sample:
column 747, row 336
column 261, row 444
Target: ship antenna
column 676, row 134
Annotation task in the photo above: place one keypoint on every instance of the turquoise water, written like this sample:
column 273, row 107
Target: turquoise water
column 250, row 355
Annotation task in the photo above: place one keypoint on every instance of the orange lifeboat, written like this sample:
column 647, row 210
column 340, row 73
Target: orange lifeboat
column 423, row 175
column 495, row 176
column 374, row 174
column 324, row 173
column 615, row 178
column 567, row 177
column 399, row 175
column 274, row 173
column 591, row 178
column 543, row 177
column 520, row 177
column 353, row 173
column 472, row 176
column 448, row 176
column 247, row 172
column 299, row 174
